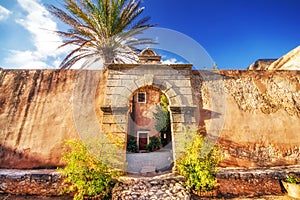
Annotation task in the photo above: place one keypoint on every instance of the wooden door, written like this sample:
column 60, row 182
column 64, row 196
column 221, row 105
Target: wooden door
column 143, row 140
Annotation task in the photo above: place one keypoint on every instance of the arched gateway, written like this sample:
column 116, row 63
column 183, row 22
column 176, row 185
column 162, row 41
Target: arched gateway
column 149, row 77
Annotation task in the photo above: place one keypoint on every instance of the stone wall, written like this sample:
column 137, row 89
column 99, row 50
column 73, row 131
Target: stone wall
column 258, row 112
column 37, row 112
column 31, row 182
column 262, row 118
column 232, row 182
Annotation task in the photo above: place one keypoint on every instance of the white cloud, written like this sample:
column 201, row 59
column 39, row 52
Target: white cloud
column 171, row 61
column 25, row 60
column 39, row 24
column 4, row 13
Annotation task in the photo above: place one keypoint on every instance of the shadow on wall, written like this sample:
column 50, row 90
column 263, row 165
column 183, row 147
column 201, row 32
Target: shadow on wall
column 206, row 114
column 15, row 159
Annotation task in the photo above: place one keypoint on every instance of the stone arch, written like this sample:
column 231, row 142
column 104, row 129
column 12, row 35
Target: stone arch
column 173, row 80
column 167, row 88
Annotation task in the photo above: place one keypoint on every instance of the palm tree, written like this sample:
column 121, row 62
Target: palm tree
column 101, row 30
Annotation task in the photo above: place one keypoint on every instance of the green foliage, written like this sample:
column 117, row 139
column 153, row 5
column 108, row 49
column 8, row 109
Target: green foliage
column 198, row 164
column 162, row 116
column 164, row 102
column 87, row 176
column 215, row 66
column 131, row 144
column 292, row 179
column 154, row 143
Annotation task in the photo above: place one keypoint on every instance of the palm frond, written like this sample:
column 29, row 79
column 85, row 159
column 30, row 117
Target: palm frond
column 102, row 30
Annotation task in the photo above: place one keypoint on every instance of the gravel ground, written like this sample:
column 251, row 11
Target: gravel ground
column 256, row 198
column 28, row 197
column 17, row 197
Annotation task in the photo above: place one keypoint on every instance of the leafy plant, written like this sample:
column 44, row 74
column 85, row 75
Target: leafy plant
column 131, row 144
column 154, row 143
column 86, row 175
column 198, row 164
column 162, row 116
column 292, row 179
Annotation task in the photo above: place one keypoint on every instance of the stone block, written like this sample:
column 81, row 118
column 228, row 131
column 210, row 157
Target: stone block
column 130, row 85
column 177, row 118
column 140, row 82
column 183, row 90
column 114, row 128
column 175, row 100
column 122, row 91
column 114, row 118
column 181, row 83
column 179, row 128
column 116, row 77
column 114, row 83
column 148, row 79
column 40, row 178
column 116, row 100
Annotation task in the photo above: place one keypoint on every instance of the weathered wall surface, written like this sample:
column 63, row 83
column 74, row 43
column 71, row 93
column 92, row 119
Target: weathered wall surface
column 143, row 113
column 36, row 115
column 262, row 118
column 40, row 108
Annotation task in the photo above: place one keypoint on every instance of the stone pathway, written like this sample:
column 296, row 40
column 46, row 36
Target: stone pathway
column 165, row 187
column 143, row 162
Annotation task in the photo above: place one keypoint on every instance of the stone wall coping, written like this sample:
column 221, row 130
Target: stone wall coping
column 24, row 172
column 233, row 182
column 277, row 172
column 231, row 170
column 160, row 66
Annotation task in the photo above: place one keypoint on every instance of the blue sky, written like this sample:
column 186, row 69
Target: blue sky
column 235, row 33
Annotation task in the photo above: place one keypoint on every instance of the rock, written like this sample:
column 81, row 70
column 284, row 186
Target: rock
column 160, row 192
column 290, row 61
column 151, row 193
column 154, row 182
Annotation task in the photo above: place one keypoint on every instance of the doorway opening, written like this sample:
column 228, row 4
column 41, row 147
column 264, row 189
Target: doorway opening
column 149, row 127
column 143, row 140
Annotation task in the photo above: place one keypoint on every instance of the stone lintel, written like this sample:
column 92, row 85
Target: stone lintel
column 117, row 110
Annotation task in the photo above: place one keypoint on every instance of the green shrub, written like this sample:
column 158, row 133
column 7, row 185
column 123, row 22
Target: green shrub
column 198, row 168
column 87, row 176
column 131, row 144
column 292, row 179
column 154, row 143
